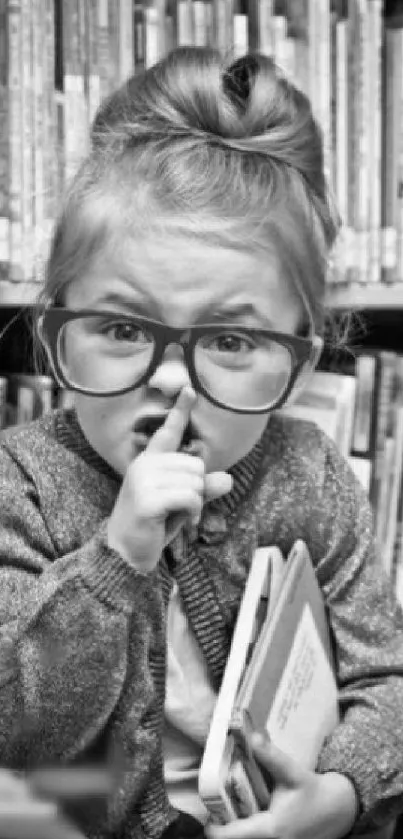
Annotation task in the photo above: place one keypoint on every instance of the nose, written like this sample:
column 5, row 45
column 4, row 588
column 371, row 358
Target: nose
column 171, row 374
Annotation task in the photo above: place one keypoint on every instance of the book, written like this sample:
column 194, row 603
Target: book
column 392, row 152
column 260, row 594
column 365, row 369
column 328, row 400
column 280, row 659
column 361, row 467
column 396, row 477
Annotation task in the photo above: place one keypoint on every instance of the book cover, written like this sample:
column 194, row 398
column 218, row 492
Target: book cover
column 396, row 477
column 282, row 660
column 375, row 11
column 384, row 391
column 125, row 40
column 392, row 97
column 328, row 400
column 365, row 371
column 220, row 753
column 16, row 130
column 361, row 467
column 265, row 32
column 359, row 61
column 4, row 147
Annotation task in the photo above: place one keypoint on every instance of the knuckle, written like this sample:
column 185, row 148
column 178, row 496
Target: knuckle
column 198, row 465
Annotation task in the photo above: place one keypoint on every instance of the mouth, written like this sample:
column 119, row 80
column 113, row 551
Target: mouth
column 146, row 426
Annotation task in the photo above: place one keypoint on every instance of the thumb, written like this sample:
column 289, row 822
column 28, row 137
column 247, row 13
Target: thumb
column 284, row 770
column 217, row 484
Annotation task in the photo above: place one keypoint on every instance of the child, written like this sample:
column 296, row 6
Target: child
column 183, row 305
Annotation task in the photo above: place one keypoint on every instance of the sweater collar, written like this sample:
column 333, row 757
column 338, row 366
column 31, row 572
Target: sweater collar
column 70, row 434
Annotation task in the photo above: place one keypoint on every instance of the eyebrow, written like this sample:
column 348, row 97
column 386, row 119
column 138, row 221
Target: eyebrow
column 220, row 314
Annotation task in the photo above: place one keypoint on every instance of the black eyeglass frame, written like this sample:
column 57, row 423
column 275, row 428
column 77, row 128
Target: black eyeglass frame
column 302, row 350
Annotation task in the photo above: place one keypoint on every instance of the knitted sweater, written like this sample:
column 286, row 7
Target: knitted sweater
column 82, row 640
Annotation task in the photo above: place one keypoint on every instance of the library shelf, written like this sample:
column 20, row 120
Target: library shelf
column 372, row 296
column 18, row 293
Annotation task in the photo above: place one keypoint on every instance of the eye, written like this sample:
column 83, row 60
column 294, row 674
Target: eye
column 125, row 331
column 231, row 342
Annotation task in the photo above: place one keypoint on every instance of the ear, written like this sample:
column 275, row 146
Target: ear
column 317, row 348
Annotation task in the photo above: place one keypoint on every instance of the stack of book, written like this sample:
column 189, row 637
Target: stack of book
column 25, row 396
column 362, row 411
column 279, row 680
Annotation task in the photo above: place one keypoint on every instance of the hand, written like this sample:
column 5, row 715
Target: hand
column 303, row 805
column 162, row 489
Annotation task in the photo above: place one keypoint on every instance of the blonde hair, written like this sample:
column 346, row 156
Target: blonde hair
column 229, row 152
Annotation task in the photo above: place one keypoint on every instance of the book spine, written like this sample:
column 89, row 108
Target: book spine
column 399, row 198
column 125, row 40
column 70, row 85
column 279, row 32
column 94, row 78
column 265, row 33
column 312, row 20
column 385, row 372
column 169, row 27
column 344, row 256
column 103, row 48
column 139, row 36
column 184, row 23
column 333, row 99
column 200, row 13
column 38, row 31
column 392, row 509
column 374, row 129
column 16, row 125
column 253, row 25
column 364, row 404
column 152, row 37
column 29, row 122
column 114, row 7
column 393, row 58
column 4, row 147
column 50, row 180
column 240, row 31
column 360, row 60
column 223, row 25
column 299, row 24
column 323, row 79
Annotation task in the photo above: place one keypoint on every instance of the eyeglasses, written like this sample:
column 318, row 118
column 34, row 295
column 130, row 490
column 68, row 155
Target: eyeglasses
column 241, row 369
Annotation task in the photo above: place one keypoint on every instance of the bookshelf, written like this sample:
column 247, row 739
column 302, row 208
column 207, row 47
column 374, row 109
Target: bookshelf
column 80, row 49
column 377, row 296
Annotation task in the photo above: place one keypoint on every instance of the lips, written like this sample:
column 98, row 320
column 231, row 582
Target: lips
column 147, row 425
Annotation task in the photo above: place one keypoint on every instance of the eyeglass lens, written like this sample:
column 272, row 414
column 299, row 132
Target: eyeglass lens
column 105, row 354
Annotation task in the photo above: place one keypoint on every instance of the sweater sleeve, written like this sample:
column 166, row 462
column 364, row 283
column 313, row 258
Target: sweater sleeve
column 367, row 626
column 63, row 631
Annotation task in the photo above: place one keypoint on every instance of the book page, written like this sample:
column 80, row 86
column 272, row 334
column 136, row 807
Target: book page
column 306, row 698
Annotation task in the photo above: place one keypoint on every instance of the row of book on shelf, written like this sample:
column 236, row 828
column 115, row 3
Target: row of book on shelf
column 25, row 397
column 60, row 58
column 361, row 410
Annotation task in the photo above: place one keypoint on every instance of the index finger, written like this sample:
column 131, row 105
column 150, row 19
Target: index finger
column 169, row 436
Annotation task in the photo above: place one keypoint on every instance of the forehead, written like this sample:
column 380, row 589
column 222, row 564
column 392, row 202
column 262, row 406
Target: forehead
column 178, row 279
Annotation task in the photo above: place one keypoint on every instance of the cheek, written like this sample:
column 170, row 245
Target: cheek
column 106, row 423
column 235, row 436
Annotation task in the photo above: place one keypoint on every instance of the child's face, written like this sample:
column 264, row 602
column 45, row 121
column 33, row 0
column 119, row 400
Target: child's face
column 180, row 281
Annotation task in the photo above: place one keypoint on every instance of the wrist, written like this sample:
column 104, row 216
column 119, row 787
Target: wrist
column 342, row 801
column 118, row 545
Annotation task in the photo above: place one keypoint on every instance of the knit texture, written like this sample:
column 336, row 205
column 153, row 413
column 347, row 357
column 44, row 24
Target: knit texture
column 82, row 641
